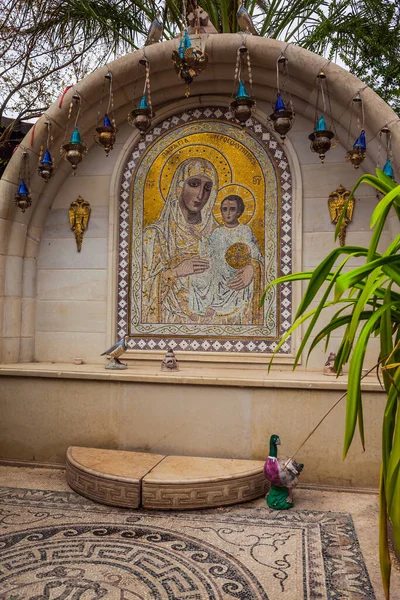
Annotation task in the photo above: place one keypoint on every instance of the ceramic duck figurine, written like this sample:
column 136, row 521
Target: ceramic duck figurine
column 282, row 473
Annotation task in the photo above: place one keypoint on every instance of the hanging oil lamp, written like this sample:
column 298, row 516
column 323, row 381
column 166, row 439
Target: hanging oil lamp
column 357, row 153
column 242, row 105
column 388, row 166
column 142, row 116
column 75, row 150
column 190, row 58
column 282, row 118
column 22, row 197
column 106, row 132
column 45, row 166
column 321, row 137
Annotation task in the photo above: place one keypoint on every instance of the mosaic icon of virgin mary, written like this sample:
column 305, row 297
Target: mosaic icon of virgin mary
column 173, row 246
column 188, row 277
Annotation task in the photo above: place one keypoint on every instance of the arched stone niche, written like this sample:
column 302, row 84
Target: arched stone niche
column 56, row 304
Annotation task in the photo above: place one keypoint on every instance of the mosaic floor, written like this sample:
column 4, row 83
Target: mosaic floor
column 56, row 545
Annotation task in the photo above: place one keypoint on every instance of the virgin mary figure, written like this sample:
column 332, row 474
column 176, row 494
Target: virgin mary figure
column 175, row 246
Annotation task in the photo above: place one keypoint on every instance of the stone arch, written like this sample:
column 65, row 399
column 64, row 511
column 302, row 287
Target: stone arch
column 21, row 233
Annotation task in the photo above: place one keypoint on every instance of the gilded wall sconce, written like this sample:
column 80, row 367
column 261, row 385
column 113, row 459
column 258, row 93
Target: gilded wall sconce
column 336, row 202
column 79, row 214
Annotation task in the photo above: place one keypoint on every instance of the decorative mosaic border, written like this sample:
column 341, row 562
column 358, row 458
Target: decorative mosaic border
column 211, row 345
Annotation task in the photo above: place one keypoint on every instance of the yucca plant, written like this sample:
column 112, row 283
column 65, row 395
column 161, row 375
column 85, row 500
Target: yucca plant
column 367, row 305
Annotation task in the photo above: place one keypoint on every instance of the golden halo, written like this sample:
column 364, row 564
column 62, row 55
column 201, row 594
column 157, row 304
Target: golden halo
column 216, row 157
column 238, row 190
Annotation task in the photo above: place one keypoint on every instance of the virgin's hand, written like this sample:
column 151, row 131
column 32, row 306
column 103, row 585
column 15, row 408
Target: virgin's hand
column 243, row 279
column 190, row 266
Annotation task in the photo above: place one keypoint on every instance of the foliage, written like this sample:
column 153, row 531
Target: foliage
column 365, row 35
column 367, row 305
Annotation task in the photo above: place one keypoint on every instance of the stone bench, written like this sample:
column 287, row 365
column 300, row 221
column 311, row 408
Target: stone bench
column 155, row 481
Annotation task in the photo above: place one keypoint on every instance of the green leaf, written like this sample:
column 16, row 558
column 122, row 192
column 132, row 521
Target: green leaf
column 354, row 378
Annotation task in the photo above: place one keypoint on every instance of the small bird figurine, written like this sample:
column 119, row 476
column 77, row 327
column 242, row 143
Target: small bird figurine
column 115, row 352
column 155, row 31
column 244, row 20
column 282, row 473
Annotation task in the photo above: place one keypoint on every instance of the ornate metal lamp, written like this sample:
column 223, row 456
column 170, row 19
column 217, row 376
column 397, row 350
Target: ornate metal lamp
column 22, row 197
column 189, row 60
column 106, row 132
column 281, row 120
column 357, row 153
column 321, row 137
column 75, row 150
column 45, row 166
column 242, row 105
column 388, row 166
column 142, row 116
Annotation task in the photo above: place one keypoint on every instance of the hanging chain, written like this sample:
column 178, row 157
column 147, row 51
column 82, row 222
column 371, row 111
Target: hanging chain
column 147, row 85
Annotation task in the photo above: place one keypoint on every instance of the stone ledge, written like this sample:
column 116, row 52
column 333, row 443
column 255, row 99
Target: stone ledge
column 153, row 481
column 190, row 375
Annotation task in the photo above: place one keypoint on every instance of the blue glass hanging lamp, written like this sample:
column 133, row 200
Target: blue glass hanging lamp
column 281, row 119
column 321, row 137
column 190, row 58
column 106, row 132
column 388, row 167
column 243, row 105
column 45, row 166
column 141, row 117
column 75, row 149
column 357, row 153
column 22, row 197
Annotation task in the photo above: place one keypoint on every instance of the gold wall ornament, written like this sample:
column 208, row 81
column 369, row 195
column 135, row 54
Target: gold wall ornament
column 79, row 214
column 336, row 203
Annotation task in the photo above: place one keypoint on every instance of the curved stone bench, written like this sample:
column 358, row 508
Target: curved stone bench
column 154, row 481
